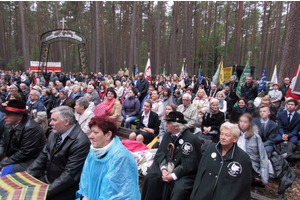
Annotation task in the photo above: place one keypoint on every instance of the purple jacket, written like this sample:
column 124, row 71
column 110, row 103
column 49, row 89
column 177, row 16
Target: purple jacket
column 131, row 106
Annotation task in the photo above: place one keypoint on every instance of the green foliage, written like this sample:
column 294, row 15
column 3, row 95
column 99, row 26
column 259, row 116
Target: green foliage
column 16, row 62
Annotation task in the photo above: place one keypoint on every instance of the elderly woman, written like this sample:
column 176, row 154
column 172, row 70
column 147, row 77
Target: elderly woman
column 89, row 97
column 212, row 121
column 111, row 107
column 224, row 170
column 222, row 102
column 163, row 124
column 76, row 93
column 251, row 143
column 109, row 171
column 83, row 115
column 238, row 110
column 130, row 108
column 148, row 125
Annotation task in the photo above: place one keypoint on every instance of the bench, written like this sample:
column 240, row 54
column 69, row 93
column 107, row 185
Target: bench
column 124, row 132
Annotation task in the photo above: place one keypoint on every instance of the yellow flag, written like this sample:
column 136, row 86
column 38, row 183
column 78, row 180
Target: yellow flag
column 221, row 73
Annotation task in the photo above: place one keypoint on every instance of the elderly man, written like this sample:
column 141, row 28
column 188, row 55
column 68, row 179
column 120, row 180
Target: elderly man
column 23, row 138
column 175, row 163
column 189, row 111
column 91, row 90
column 142, row 86
column 213, row 91
column 225, row 170
column 61, row 161
column 249, row 90
column 37, row 110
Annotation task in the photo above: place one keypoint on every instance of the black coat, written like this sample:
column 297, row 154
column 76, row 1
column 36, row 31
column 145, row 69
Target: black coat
column 249, row 92
column 186, row 162
column 232, row 92
column 215, row 122
column 61, row 166
column 142, row 87
column 153, row 122
column 235, row 116
column 270, row 132
column 223, row 177
column 22, row 145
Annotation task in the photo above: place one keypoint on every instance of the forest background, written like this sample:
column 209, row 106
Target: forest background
column 121, row 33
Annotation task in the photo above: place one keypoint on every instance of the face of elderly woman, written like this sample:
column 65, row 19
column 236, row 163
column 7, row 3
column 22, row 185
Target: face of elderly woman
column 227, row 138
column 98, row 138
column 110, row 95
column 244, row 123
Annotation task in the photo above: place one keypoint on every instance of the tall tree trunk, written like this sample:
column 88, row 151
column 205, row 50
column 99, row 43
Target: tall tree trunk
column 25, row 48
column 97, row 34
column 226, row 32
column 214, row 42
column 290, row 57
column 60, row 49
column 237, row 49
column 158, row 40
column 103, row 39
column 288, row 4
column 277, row 33
column 132, row 53
column 207, row 38
column 174, row 36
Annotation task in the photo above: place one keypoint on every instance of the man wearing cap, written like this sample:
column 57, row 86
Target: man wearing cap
column 164, row 181
column 23, row 139
column 276, row 95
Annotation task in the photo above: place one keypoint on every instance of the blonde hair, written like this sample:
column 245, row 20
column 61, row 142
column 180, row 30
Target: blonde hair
column 221, row 92
column 236, row 132
column 204, row 94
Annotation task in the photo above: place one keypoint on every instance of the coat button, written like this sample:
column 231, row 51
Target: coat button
column 175, row 160
column 209, row 174
column 216, row 176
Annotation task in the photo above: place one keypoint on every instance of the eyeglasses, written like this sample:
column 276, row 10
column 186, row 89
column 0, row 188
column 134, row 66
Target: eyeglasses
column 185, row 100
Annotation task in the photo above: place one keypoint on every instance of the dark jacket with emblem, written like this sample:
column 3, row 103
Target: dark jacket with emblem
column 61, row 166
column 186, row 165
column 223, row 177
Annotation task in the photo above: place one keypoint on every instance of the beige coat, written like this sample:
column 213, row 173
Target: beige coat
column 115, row 113
column 84, row 120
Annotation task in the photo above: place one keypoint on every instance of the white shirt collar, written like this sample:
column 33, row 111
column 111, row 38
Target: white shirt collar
column 144, row 114
column 291, row 113
column 265, row 122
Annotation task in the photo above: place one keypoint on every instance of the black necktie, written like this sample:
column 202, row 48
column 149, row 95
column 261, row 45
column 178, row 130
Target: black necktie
column 263, row 126
column 58, row 141
column 289, row 118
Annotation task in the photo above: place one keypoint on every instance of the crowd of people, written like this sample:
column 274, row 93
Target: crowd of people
column 61, row 128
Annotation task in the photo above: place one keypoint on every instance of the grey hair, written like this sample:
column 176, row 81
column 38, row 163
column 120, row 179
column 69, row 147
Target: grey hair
column 236, row 132
column 64, row 91
column 65, row 112
column 24, row 85
column 36, row 92
column 91, row 86
column 179, row 125
column 213, row 101
column 83, row 102
column 188, row 96
column 89, row 96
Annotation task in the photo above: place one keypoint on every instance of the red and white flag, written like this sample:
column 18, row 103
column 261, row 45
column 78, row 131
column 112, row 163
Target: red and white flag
column 181, row 77
column 294, row 89
column 148, row 71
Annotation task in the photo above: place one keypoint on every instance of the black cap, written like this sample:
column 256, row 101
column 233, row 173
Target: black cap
column 176, row 117
column 15, row 106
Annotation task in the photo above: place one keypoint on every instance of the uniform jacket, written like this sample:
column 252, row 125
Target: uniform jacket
column 62, row 164
column 270, row 132
column 22, row 145
column 223, row 177
column 290, row 129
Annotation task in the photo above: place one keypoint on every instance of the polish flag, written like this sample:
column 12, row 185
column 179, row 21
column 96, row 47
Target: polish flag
column 148, row 71
column 294, row 89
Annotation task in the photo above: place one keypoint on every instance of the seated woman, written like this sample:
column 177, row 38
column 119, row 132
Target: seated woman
column 157, row 105
column 111, row 107
column 109, row 171
column 201, row 101
column 148, row 125
column 212, row 120
column 237, row 111
column 167, row 97
column 130, row 108
column 222, row 102
column 102, row 92
column 83, row 115
column 163, row 128
column 252, row 144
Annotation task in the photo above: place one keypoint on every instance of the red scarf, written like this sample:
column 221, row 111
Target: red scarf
column 105, row 107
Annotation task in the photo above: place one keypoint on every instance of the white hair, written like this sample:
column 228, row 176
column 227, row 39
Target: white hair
column 65, row 112
column 188, row 96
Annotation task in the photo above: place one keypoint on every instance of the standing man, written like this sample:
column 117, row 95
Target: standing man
column 249, row 90
column 167, row 182
column 285, row 87
column 232, row 86
column 142, row 86
column 61, row 161
column 23, row 139
column 187, row 80
column 189, row 111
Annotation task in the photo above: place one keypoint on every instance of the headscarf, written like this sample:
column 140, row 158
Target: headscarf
column 102, row 95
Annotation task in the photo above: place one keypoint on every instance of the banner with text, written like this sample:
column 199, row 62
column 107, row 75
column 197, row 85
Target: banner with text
column 51, row 66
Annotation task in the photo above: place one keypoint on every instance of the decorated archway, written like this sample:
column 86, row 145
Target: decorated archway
column 62, row 35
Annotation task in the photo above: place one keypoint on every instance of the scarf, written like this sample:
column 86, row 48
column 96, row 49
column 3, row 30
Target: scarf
column 99, row 152
column 221, row 101
column 241, row 110
column 102, row 94
column 212, row 112
column 105, row 107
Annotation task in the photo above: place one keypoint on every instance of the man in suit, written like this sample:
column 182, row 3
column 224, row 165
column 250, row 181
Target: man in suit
column 289, row 123
column 142, row 86
column 63, row 96
column 61, row 161
column 285, row 87
column 267, row 128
